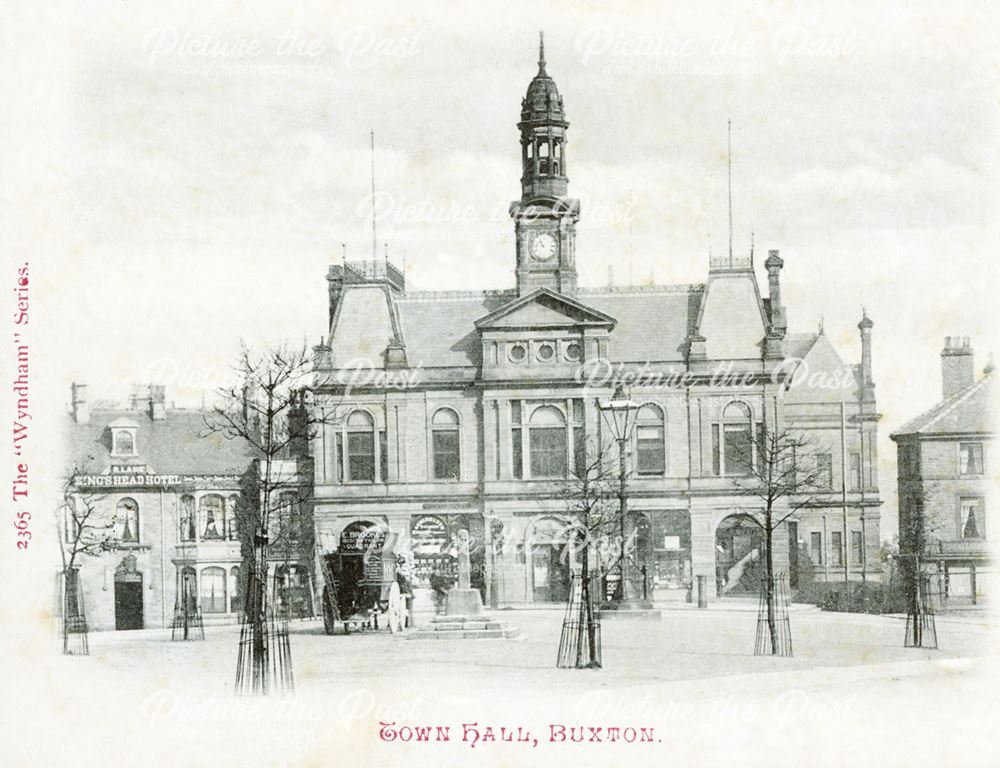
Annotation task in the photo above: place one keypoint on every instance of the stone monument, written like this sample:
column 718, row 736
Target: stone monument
column 464, row 619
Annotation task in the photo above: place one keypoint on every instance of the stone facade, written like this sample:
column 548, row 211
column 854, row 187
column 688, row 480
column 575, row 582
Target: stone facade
column 944, row 465
column 166, row 499
column 469, row 410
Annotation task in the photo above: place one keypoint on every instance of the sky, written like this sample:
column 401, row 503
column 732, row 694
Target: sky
column 179, row 178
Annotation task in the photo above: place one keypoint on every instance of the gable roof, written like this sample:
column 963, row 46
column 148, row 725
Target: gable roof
column 544, row 308
column 968, row 411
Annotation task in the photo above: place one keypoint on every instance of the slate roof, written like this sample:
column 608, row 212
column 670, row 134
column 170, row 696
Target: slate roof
column 968, row 411
column 173, row 446
column 438, row 328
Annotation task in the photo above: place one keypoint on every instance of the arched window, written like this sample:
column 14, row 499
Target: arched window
column 737, row 443
column 445, row 443
column 187, row 521
column 360, row 447
column 124, row 443
column 189, row 590
column 213, row 517
column 127, row 521
column 650, row 450
column 547, row 442
column 213, row 590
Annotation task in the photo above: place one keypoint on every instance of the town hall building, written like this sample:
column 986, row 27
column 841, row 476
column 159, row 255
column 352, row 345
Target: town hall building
column 486, row 404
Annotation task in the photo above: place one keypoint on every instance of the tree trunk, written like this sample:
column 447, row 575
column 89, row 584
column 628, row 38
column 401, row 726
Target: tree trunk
column 772, row 626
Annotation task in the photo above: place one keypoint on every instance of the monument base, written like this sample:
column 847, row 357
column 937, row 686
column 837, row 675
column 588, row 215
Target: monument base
column 464, row 620
column 463, row 602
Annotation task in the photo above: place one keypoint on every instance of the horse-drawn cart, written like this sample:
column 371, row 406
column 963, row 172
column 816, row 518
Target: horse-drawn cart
column 358, row 579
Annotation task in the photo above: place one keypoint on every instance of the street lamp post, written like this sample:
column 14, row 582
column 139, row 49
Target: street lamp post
column 619, row 413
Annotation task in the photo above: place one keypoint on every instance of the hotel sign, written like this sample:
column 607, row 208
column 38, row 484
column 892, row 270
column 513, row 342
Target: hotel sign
column 135, row 480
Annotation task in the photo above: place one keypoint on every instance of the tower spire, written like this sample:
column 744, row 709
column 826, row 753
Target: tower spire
column 541, row 53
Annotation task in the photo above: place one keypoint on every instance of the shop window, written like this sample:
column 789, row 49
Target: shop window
column 127, row 521
column 445, row 445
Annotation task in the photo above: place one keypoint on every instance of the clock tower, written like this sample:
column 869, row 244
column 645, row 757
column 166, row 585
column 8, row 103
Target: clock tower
column 544, row 218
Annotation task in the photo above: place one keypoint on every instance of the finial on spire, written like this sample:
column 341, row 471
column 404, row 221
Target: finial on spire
column 541, row 53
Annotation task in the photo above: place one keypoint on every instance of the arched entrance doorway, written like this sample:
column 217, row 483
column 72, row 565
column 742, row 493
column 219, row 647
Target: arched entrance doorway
column 739, row 556
column 550, row 558
column 128, row 595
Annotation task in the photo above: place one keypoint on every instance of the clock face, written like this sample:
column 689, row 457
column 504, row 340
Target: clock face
column 543, row 246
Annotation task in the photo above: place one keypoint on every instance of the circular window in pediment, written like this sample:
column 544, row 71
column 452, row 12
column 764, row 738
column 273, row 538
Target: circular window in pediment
column 517, row 353
column 573, row 351
column 546, row 351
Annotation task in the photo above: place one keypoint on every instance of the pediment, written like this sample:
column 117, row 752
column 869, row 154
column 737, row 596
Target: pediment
column 544, row 308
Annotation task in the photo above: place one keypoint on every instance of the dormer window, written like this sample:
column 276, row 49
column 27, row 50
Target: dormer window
column 123, row 441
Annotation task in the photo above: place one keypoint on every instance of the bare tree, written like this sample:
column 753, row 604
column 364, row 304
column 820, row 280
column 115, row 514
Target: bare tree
column 784, row 477
column 85, row 529
column 592, row 502
column 271, row 410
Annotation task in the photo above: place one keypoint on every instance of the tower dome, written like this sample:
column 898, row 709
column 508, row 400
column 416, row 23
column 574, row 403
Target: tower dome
column 542, row 103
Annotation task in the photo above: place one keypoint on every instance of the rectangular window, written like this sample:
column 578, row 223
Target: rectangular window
column 973, row 524
column 651, row 458
column 383, row 457
column 970, row 459
column 737, row 449
column 446, row 459
column 816, row 547
column 579, row 440
column 870, row 470
column 338, row 456
column 837, row 547
column 361, row 457
column 857, row 548
column 716, row 452
column 516, row 445
column 762, row 456
column 855, row 471
column 548, row 451
column 824, row 470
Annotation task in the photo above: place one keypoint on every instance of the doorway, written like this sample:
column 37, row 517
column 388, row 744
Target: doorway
column 128, row 602
column 551, row 573
column 739, row 561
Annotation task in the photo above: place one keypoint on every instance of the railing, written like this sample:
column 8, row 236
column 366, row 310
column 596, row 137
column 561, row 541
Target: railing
column 364, row 271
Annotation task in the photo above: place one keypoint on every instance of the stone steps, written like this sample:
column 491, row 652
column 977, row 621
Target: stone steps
column 463, row 628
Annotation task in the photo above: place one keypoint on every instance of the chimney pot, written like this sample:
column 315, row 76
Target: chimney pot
column 958, row 365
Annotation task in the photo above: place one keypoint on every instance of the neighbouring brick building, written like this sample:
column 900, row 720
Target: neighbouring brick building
column 945, row 471
column 469, row 409
column 166, row 496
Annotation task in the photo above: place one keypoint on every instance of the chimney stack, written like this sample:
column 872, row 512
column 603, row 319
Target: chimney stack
column 81, row 411
column 867, row 383
column 157, row 402
column 773, row 265
column 139, row 399
column 958, row 365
